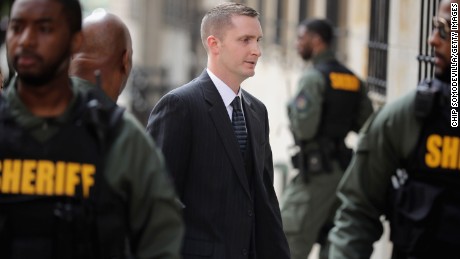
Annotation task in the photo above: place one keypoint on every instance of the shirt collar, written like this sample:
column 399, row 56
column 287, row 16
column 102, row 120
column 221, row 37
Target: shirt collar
column 324, row 56
column 224, row 90
column 22, row 113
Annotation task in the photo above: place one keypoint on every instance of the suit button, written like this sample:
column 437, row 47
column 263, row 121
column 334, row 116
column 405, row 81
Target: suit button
column 250, row 213
column 244, row 252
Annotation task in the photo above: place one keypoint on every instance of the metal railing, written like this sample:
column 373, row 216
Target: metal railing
column 146, row 86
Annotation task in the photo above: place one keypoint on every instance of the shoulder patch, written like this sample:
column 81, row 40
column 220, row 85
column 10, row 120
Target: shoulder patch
column 301, row 101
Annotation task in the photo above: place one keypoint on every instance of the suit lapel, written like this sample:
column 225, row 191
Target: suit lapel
column 254, row 130
column 219, row 115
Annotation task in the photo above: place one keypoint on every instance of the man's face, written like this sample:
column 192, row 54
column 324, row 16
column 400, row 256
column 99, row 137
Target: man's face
column 441, row 41
column 304, row 43
column 239, row 48
column 38, row 40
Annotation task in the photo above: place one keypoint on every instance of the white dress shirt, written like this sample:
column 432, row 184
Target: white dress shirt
column 226, row 93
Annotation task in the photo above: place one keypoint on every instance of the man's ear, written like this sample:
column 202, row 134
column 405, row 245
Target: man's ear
column 126, row 62
column 77, row 41
column 213, row 44
column 315, row 38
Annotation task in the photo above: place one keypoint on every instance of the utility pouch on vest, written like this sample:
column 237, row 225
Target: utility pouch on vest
column 425, row 98
column 316, row 161
column 308, row 162
column 313, row 161
column 412, row 211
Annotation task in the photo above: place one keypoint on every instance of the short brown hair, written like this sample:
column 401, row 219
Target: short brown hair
column 219, row 18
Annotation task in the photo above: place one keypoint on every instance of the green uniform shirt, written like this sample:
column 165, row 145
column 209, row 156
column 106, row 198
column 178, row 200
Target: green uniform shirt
column 386, row 140
column 135, row 170
column 305, row 108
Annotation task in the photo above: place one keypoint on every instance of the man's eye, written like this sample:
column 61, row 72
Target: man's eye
column 45, row 29
column 15, row 28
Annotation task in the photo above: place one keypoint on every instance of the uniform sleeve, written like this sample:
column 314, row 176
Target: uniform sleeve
column 304, row 110
column 169, row 125
column 364, row 110
column 137, row 171
column 388, row 138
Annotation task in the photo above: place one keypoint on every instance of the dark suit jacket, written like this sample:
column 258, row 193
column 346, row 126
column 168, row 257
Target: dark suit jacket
column 222, row 213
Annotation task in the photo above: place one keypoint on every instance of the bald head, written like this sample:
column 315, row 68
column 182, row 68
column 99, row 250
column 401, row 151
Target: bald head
column 106, row 47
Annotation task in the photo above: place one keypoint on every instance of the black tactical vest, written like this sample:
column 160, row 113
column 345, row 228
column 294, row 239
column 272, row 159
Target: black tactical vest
column 54, row 199
column 341, row 100
column 425, row 221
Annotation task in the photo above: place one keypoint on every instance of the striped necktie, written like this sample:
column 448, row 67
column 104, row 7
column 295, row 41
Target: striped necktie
column 239, row 125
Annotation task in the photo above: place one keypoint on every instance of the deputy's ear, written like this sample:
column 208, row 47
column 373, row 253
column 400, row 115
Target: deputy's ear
column 317, row 39
column 126, row 62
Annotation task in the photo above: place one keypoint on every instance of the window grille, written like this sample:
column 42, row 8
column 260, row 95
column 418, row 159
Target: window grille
column 303, row 9
column 378, row 46
column 176, row 13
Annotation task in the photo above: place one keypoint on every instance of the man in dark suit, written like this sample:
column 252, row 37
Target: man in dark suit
column 224, row 177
